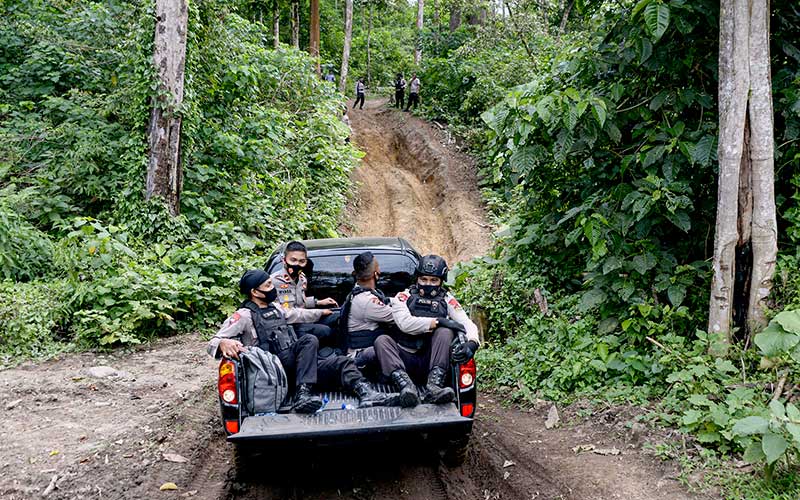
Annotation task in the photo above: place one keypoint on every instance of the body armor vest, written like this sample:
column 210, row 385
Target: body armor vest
column 433, row 307
column 361, row 339
column 274, row 333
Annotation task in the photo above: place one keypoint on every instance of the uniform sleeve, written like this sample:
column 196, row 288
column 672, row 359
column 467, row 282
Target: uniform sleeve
column 301, row 315
column 233, row 328
column 405, row 321
column 457, row 313
column 310, row 302
column 376, row 310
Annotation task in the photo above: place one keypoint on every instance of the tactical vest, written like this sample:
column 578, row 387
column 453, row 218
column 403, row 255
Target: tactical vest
column 360, row 339
column 274, row 333
column 435, row 307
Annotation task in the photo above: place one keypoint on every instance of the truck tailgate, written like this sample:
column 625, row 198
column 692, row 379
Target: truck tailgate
column 335, row 423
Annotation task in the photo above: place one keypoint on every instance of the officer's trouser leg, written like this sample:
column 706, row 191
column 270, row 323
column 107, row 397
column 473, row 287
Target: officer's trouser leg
column 338, row 371
column 392, row 357
column 440, row 348
column 300, row 360
column 320, row 331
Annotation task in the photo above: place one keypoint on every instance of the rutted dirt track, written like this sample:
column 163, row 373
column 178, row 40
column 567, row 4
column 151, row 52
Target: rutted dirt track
column 71, row 432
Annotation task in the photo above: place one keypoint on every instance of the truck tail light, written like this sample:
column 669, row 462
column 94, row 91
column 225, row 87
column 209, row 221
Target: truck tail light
column 232, row 426
column 466, row 374
column 227, row 382
column 467, row 409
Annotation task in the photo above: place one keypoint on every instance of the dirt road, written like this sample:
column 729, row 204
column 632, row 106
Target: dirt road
column 122, row 425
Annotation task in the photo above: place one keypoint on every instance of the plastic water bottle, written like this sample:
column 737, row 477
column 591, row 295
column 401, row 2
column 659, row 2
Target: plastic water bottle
column 346, row 406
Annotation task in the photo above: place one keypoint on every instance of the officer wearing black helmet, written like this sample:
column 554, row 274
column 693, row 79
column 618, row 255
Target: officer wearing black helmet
column 428, row 317
column 260, row 321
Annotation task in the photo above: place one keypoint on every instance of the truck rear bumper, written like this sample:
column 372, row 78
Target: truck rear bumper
column 335, row 424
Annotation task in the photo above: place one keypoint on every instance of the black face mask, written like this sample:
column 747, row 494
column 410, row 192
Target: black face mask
column 270, row 296
column 430, row 290
column 294, row 269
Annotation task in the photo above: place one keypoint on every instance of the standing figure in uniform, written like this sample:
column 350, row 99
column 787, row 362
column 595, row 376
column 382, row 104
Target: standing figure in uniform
column 365, row 312
column 261, row 322
column 399, row 91
column 413, row 92
column 291, row 283
column 360, row 89
column 427, row 316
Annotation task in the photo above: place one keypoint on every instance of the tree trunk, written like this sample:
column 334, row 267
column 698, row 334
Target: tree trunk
column 295, row 23
column 313, row 45
column 164, row 175
column 418, row 48
column 564, row 18
column 369, row 41
column 276, row 24
column 348, row 38
column 746, row 222
column 455, row 15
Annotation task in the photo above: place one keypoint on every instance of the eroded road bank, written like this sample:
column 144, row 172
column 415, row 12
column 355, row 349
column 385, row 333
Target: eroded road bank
column 70, row 430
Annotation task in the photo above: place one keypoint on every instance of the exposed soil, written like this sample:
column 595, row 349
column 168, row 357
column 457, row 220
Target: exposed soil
column 413, row 185
column 69, row 432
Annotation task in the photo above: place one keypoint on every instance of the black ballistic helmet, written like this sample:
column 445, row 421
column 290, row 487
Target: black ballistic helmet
column 432, row 265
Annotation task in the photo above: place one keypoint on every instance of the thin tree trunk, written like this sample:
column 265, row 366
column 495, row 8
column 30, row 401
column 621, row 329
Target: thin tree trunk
column 313, row 45
column 276, row 24
column 762, row 159
column 348, row 38
column 455, row 15
column 418, row 48
column 746, row 200
column 164, row 174
column 369, row 41
column 517, row 30
column 564, row 18
column 295, row 8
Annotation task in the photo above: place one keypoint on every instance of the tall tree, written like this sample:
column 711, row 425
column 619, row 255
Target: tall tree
column 276, row 24
column 746, row 221
column 295, row 14
column 348, row 38
column 455, row 15
column 164, row 174
column 369, row 43
column 418, row 48
column 313, row 46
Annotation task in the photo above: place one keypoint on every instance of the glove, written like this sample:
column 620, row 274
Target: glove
column 449, row 323
column 461, row 352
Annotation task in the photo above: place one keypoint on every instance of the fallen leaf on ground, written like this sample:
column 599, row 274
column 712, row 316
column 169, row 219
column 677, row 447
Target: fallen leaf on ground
column 13, row 404
column 508, row 463
column 506, row 475
column 54, row 452
column 168, row 486
column 583, row 447
column 174, row 457
column 606, row 451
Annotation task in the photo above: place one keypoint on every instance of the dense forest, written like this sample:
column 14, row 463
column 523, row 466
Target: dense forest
column 596, row 128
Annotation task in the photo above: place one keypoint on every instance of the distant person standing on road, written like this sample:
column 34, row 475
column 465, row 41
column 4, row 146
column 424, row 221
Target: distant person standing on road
column 360, row 87
column 399, row 91
column 413, row 92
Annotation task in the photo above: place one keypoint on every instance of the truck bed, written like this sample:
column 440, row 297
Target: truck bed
column 341, row 417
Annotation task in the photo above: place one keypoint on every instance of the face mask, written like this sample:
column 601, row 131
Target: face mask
column 270, row 296
column 294, row 269
column 430, row 290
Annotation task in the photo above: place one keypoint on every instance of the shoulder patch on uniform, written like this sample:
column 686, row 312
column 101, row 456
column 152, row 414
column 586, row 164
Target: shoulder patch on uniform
column 236, row 317
column 453, row 302
column 402, row 296
column 285, row 285
column 378, row 301
column 286, row 305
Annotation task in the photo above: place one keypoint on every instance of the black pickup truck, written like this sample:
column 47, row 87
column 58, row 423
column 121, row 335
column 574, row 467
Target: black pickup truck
column 340, row 420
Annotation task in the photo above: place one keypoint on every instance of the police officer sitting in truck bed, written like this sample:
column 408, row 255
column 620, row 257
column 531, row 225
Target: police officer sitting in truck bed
column 259, row 321
column 428, row 317
column 291, row 283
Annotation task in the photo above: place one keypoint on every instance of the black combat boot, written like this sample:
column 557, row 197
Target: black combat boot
column 304, row 401
column 408, row 391
column 437, row 393
column 368, row 397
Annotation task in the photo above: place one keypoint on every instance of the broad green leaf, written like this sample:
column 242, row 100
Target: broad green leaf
column 703, row 151
column 789, row 320
column 777, row 409
column 754, row 454
column 676, row 293
column 691, row 417
column 643, row 263
column 599, row 111
column 773, row 445
column 523, row 159
column 656, row 18
column 611, row 264
column 592, row 298
column 724, row 366
column 751, row 425
column 794, row 430
column 793, row 413
column 774, row 341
